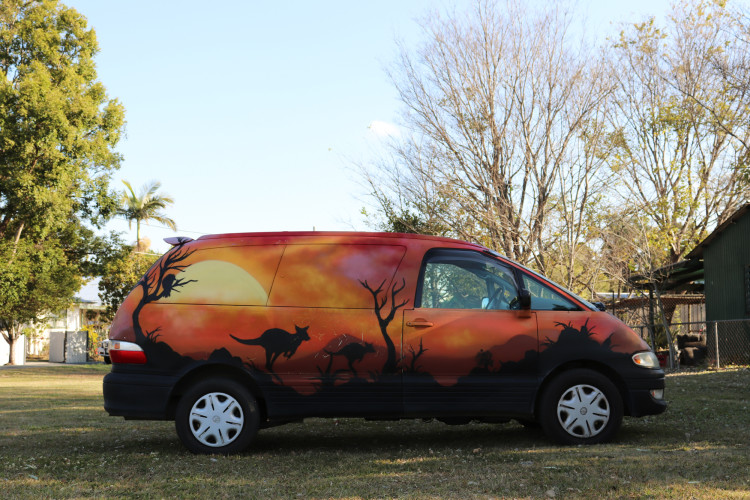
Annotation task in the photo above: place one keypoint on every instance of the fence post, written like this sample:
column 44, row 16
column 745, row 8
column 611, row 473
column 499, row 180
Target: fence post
column 716, row 339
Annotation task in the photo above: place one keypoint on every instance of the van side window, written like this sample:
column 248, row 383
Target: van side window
column 461, row 280
column 544, row 298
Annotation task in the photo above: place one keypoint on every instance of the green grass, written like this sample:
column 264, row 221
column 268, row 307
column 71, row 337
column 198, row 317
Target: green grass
column 57, row 441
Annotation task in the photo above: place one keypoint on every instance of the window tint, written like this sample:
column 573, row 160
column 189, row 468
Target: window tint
column 544, row 298
column 467, row 282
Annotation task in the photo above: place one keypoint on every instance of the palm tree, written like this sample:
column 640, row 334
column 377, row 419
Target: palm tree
column 148, row 205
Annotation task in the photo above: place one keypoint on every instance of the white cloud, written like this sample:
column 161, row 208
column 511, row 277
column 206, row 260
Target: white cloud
column 383, row 129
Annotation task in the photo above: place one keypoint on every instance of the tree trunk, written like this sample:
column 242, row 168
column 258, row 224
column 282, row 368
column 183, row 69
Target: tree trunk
column 11, row 339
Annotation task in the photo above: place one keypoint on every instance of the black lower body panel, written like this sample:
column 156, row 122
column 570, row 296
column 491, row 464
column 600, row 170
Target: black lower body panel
column 138, row 396
column 639, row 400
column 477, row 396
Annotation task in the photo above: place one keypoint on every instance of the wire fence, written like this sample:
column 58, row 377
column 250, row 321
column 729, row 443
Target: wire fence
column 717, row 344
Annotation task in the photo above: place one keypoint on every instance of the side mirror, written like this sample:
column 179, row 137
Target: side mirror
column 485, row 302
column 524, row 298
column 600, row 306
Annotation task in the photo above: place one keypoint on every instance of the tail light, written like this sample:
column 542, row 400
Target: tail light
column 126, row 353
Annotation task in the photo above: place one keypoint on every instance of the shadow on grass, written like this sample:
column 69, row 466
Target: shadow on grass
column 364, row 436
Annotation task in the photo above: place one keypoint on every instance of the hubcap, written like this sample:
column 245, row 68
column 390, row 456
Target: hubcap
column 583, row 411
column 216, row 419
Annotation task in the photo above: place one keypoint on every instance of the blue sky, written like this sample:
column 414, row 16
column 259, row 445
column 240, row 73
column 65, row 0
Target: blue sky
column 252, row 113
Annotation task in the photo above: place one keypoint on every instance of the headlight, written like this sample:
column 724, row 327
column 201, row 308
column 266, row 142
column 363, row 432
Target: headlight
column 646, row 359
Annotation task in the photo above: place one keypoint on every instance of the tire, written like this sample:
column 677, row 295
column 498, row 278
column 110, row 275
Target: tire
column 217, row 416
column 581, row 406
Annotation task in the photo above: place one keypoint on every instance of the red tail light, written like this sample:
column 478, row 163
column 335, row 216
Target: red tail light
column 126, row 353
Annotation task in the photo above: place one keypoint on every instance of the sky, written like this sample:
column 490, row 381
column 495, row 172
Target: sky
column 252, row 114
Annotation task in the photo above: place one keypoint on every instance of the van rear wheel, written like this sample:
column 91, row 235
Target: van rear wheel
column 217, row 416
column 581, row 407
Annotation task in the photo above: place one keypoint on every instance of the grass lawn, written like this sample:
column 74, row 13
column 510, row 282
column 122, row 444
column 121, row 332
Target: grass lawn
column 57, row 441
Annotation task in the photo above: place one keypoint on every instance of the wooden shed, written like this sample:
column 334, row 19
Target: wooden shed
column 726, row 263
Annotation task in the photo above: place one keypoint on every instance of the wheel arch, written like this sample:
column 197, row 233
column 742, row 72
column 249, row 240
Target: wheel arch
column 597, row 366
column 204, row 372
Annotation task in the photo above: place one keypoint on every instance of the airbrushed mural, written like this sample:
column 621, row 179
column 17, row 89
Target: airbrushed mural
column 314, row 322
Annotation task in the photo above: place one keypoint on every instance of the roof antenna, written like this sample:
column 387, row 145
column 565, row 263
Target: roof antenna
column 177, row 240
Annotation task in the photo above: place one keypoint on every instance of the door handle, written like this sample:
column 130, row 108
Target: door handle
column 420, row 323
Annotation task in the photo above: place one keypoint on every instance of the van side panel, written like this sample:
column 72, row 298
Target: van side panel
column 343, row 360
column 304, row 320
column 481, row 362
column 191, row 275
column 196, row 331
column 240, row 276
column 567, row 336
column 340, row 371
column 333, row 276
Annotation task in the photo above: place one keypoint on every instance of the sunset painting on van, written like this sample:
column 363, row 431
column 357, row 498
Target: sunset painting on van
column 341, row 310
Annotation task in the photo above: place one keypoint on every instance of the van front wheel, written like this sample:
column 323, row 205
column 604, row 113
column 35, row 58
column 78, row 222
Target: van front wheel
column 581, row 407
column 217, row 416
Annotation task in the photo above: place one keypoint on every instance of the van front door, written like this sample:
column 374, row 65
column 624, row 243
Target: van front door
column 468, row 348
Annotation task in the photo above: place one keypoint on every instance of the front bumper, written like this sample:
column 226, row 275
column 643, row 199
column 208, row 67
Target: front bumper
column 639, row 401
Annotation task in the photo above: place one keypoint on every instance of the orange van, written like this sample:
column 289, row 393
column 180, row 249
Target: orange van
column 231, row 333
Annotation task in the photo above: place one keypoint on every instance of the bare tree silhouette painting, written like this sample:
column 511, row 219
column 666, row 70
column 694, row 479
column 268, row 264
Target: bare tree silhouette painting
column 158, row 283
column 391, row 364
column 413, row 367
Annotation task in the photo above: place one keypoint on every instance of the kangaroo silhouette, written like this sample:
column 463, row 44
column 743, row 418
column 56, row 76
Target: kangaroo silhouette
column 277, row 342
column 353, row 352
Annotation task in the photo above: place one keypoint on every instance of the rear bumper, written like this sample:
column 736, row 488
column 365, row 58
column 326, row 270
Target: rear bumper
column 138, row 396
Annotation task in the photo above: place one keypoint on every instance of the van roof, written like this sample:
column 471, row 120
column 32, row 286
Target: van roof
column 338, row 235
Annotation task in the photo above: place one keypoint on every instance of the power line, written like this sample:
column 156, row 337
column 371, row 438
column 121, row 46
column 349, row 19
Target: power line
column 163, row 227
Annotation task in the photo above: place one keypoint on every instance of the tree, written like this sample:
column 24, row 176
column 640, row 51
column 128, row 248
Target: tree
column 33, row 279
column 730, row 62
column 58, row 131
column 679, row 134
column 145, row 206
column 391, row 364
column 497, row 104
column 158, row 283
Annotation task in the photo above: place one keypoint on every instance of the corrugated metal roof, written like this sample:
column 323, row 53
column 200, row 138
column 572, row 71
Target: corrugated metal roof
column 686, row 275
column 697, row 252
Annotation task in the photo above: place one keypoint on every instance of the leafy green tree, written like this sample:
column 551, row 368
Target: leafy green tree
column 145, row 206
column 33, row 279
column 58, row 131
